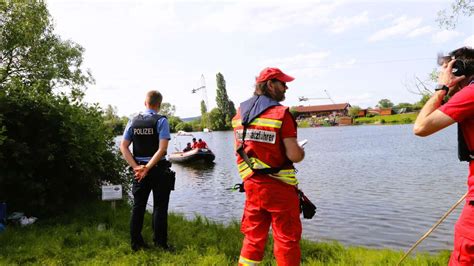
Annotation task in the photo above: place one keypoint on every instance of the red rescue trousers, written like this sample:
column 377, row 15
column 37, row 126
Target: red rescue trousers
column 270, row 202
column 463, row 252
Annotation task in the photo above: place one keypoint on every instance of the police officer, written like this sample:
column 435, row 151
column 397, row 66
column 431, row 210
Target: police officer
column 456, row 79
column 265, row 138
column 150, row 135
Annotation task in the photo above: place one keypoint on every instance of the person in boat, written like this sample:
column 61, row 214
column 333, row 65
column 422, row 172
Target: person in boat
column 188, row 147
column 149, row 132
column 201, row 144
column 456, row 80
column 195, row 144
column 268, row 173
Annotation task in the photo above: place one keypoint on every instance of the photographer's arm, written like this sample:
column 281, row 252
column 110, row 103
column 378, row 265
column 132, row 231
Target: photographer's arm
column 430, row 119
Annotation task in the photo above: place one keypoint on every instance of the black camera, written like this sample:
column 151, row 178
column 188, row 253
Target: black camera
column 460, row 67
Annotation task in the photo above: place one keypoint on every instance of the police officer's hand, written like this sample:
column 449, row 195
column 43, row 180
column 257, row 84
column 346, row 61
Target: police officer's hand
column 446, row 76
column 140, row 172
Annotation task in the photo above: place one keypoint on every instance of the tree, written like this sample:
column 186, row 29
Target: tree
column 354, row 111
column 215, row 119
column 204, row 116
column 32, row 55
column 226, row 107
column 57, row 151
column 203, row 107
column 293, row 112
column 449, row 19
column 173, row 121
column 184, row 126
column 424, row 98
column 167, row 109
column 385, row 103
column 115, row 123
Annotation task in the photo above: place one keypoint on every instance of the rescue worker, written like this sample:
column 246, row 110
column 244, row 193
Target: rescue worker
column 265, row 162
column 201, row 144
column 188, row 147
column 456, row 79
column 195, row 144
column 150, row 135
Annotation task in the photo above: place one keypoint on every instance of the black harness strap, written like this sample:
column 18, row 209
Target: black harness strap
column 464, row 154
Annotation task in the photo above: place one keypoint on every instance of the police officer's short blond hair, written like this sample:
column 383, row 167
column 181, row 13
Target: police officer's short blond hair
column 154, row 98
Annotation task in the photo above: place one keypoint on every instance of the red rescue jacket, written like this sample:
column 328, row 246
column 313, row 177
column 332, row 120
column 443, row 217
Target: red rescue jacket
column 263, row 144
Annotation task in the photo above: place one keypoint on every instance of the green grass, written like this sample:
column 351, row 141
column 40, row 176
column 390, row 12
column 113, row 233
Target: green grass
column 388, row 119
column 75, row 238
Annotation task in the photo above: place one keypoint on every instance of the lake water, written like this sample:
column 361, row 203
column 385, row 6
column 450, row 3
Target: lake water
column 374, row 186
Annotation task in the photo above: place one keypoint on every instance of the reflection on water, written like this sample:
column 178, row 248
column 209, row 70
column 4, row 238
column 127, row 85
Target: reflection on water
column 375, row 186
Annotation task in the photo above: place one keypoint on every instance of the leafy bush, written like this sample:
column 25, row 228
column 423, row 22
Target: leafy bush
column 53, row 152
column 303, row 123
column 184, row 126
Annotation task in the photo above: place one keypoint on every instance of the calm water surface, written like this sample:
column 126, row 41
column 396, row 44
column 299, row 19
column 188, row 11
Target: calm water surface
column 374, row 186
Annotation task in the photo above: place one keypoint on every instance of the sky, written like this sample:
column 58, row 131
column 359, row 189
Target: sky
column 358, row 52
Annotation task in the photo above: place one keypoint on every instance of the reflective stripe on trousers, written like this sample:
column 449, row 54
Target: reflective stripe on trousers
column 286, row 175
column 248, row 262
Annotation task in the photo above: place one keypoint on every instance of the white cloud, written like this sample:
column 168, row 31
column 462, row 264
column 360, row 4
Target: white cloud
column 469, row 41
column 362, row 100
column 341, row 24
column 420, row 31
column 265, row 17
column 401, row 26
column 306, row 60
column 445, row 35
column 346, row 64
column 307, row 65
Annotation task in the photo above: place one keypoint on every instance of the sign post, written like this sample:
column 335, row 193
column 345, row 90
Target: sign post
column 112, row 193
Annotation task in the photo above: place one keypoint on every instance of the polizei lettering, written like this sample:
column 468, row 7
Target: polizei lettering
column 257, row 135
column 143, row 131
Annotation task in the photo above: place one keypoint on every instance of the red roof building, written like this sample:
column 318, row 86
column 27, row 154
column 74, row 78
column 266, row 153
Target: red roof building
column 340, row 109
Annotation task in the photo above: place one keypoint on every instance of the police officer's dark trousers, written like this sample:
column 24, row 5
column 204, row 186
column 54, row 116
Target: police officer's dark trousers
column 155, row 181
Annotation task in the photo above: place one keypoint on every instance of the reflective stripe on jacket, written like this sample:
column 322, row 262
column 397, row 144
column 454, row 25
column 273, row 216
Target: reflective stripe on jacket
column 263, row 144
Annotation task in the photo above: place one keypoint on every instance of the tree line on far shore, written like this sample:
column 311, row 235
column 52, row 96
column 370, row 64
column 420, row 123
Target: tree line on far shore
column 219, row 118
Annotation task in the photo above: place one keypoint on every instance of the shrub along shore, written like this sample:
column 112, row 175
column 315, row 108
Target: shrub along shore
column 387, row 119
column 95, row 234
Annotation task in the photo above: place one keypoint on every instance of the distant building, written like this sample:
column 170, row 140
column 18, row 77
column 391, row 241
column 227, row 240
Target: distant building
column 380, row 111
column 328, row 110
column 362, row 113
column 386, row 111
column 345, row 120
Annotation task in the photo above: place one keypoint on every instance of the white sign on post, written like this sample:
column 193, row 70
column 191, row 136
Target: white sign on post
column 113, row 192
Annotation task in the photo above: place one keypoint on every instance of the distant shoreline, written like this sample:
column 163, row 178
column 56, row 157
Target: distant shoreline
column 397, row 119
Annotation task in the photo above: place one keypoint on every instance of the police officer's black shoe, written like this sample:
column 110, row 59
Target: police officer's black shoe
column 142, row 246
column 165, row 247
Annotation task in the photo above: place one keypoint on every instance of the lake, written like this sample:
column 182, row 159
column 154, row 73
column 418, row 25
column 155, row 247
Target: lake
column 374, row 186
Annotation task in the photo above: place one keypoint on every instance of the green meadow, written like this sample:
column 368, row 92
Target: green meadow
column 387, row 119
column 94, row 234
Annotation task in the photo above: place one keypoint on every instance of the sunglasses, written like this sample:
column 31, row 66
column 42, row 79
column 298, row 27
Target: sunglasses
column 282, row 83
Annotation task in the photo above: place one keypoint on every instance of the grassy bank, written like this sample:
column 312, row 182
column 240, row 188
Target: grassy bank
column 387, row 119
column 94, row 234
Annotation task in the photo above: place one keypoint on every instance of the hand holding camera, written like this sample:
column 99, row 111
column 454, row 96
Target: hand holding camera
column 447, row 77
